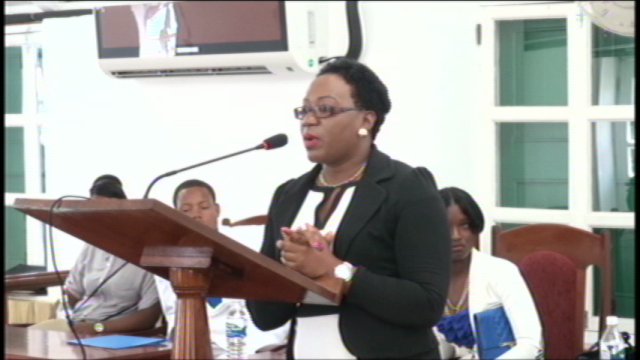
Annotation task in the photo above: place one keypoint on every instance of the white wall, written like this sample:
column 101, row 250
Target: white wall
column 137, row 129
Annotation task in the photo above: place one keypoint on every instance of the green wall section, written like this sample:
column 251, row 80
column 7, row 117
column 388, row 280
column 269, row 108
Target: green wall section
column 15, row 240
column 13, row 80
column 534, row 165
column 15, row 243
column 532, row 62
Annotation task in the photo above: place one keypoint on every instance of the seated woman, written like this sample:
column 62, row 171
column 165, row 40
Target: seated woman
column 105, row 293
column 481, row 282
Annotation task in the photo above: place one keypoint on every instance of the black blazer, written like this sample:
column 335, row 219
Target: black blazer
column 396, row 232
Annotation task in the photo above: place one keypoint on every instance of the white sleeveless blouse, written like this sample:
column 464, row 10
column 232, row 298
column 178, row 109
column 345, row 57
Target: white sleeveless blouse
column 318, row 337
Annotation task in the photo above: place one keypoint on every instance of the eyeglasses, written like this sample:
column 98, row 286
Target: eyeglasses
column 320, row 111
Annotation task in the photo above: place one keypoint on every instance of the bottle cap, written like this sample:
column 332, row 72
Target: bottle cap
column 612, row 320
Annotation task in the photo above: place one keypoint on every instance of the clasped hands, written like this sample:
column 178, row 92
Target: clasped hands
column 308, row 251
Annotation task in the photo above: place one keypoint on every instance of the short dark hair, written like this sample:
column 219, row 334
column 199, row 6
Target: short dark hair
column 108, row 186
column 369, row 92
column 469, row 207
column 191, row 184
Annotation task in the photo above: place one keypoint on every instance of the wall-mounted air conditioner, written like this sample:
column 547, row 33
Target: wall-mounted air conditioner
column 186, row 38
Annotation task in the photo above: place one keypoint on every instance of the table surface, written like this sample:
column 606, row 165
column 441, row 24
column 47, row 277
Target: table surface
column 25, row 343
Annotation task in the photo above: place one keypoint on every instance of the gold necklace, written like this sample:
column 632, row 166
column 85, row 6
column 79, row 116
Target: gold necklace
column 451, row 310
column 323, row 182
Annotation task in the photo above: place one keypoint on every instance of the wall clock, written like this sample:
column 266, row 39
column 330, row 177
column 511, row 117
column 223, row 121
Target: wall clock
column 615, row 16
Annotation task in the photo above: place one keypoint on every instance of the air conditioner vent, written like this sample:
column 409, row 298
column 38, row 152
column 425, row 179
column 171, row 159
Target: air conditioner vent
column 286, row 38
column 229, row 70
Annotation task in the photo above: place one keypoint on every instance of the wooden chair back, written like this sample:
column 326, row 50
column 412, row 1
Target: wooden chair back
column 553, row 259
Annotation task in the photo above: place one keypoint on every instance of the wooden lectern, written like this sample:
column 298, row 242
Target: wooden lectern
column 198, row 260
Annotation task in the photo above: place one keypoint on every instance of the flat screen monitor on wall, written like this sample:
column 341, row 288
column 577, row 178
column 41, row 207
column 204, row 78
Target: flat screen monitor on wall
column 184, row 28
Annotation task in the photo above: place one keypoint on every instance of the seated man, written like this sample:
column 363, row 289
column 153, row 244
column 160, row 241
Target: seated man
column 198, row 200
column 105, row 293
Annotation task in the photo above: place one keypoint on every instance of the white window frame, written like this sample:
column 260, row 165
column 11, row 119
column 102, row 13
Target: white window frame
column 31, row 121
column 578, row 114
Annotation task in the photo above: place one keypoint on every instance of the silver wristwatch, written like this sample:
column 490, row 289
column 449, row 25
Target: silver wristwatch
column 98, row 327
column 344, row 271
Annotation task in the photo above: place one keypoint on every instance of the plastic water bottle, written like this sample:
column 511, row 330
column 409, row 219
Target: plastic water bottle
column 236, row 331
column 611, row 344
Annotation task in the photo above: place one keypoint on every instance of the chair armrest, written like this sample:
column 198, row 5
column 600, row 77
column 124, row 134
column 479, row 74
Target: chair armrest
column 33, row 281
column 254, row 220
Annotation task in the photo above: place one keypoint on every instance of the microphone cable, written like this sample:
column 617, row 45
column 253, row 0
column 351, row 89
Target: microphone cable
column 100, row 286
column 65, row 303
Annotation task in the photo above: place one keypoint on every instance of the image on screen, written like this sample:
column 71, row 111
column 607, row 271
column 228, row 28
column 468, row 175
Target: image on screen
column 179, row 28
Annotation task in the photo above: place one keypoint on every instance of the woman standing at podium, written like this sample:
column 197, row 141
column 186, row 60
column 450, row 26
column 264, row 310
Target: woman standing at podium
column 383, row 240
column 105, row 293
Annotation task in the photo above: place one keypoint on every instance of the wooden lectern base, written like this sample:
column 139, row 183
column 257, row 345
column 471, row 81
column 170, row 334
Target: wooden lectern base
column 192, row 327
column 189, row 275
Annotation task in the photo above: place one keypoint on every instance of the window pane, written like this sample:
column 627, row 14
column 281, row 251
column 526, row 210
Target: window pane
column 613, row 165
column 534, row 165
column 24, row 85
column 624, row 266
column 614, row 74
column 14, row 159
column 14, row 238
column 532, row 62
column 509, row 226
column 13, row 80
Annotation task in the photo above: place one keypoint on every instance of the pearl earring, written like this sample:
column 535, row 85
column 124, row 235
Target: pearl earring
column 363, row 132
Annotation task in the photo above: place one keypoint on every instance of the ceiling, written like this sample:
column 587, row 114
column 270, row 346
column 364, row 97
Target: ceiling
column 30, row 7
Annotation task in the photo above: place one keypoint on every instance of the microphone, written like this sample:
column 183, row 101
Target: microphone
column 274, row 142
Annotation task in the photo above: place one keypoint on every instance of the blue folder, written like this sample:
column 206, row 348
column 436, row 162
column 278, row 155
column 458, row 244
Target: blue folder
column 118, row 341
column 494, row 333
